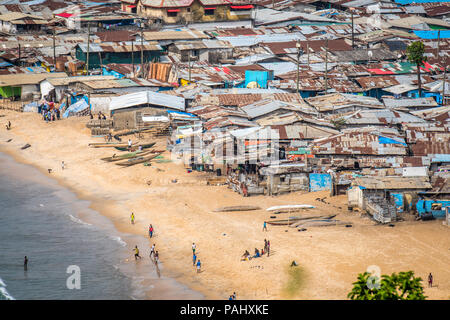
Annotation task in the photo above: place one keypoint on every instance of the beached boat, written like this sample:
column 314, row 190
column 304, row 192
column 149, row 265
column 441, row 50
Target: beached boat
column 136, row 146
column 290, row 207
column 295, row 220
column 126, row 156
column 107, row 145
column 237, row 208
column 321, row 223
column 137, row 160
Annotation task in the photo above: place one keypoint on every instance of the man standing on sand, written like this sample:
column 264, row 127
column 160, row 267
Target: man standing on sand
column 268, row 247
column 193, row 247
column 194, row 258
column 430, row 280
column 152, row 250
column 132, row 218
column 265, row 226
column 199, row 266
column 150, row 231
column 62, row 165
column 136, row 253
column 265, row 245
column 156, row 257
column 130, row 143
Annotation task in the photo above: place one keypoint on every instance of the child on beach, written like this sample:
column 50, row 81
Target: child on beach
column 199, row 265
column 136, row 253
column 132, row 218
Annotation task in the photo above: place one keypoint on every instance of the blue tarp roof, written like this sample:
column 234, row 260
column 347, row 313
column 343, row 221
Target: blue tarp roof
column 432, row 34
column 386, row 140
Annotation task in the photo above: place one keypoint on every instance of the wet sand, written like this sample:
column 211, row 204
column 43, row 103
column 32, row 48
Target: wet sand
column 329, row 258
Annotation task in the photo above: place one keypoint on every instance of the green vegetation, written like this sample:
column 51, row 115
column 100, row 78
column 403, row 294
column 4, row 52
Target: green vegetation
column 415, row 53
column 402, row 286
column 296, row 278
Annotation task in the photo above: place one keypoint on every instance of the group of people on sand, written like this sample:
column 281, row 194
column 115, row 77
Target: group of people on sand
column 51, row 114
column 195, row 262
column 100, row 116
column 258, row 253
column 153, row 253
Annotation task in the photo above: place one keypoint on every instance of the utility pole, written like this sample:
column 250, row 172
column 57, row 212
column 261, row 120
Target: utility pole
column 54, row 50
column 132, row 55
column 326, row 66
column 438, row 44
column 142, row 48
column 20, row 58
column 87, row 51
column 299, row 51
column 307, row 51
column 353, row 30
column 189, row 65
column 443, row 86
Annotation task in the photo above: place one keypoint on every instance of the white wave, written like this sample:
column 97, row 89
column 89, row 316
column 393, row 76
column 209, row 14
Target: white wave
column 3, row 292
column 119, row 240
column 76, row 220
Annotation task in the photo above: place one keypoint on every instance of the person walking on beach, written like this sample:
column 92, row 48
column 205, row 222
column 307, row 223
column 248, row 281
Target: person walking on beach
column 150, row 231
column 156, row 257
column 130, row 143
column 136, row 253
column 199, row 266
column 265, row 245
column 193, row 247
column 265, row 226
column 234, row 295
column 62, row 165
column 25, row 263
column 268, row 247
column 132, row 218
column 152, row 250
column 430, row 280
column 194, row 258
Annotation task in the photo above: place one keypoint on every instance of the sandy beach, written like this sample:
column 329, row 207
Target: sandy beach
column 329, row 258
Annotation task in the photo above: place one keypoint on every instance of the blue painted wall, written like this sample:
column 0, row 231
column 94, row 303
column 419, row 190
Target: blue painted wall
column 398, row 200
column 319, row 181
column 424, row 206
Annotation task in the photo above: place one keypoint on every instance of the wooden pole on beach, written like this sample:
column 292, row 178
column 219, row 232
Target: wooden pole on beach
column 87, row 50
column 54, row 50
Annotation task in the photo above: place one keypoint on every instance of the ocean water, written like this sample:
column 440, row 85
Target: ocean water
column 55, row 230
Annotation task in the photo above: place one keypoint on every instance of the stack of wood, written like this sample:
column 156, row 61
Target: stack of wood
column 157, row 129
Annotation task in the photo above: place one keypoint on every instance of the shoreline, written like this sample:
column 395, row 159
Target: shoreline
column 181, row 213
column 91, row 218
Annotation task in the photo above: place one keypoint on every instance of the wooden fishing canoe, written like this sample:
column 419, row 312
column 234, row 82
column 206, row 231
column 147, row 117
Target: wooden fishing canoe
column 136, row 146
column 237, row 208
column 290, row 207
column 295, row 220
column 126, row 156
column 108, row 145
column 137, row 160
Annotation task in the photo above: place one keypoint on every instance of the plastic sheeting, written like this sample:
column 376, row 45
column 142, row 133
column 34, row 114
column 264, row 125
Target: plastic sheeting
column 147, row 97
column 75, row 108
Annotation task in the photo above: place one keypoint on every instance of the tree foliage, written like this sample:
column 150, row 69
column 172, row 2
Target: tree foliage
column 415, row 53
column 401, row 286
